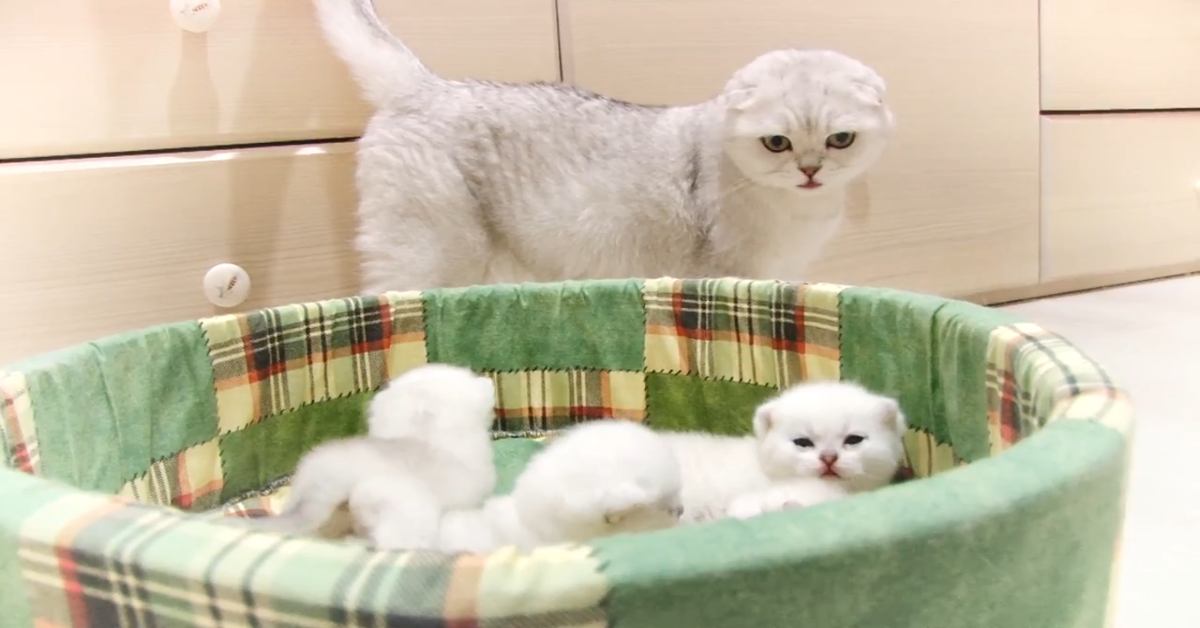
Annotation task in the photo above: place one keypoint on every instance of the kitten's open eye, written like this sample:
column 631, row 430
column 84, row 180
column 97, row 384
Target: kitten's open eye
column 854, row 439
column 803, row 442
column 777, row 143
column 841, row 140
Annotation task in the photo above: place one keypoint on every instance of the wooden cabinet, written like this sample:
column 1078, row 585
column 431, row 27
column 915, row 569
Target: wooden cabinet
column 953, row 206
column 1115, row 54
column 1122, row 197
column 98, row 246
column 99, row 76
column 972, row 196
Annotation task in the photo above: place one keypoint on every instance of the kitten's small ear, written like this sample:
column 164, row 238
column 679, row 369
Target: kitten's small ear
column 739, row 99
column 620, row 500
column 873, row 90
column 893, row 418
column 763, row 420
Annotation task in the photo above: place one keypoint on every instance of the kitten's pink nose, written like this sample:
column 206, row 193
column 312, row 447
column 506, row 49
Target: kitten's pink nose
column 811, row 171
column 829, row 459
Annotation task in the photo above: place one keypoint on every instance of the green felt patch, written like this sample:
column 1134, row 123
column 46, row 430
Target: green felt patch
column 268, row 450
column 686, row 403
column 164, row 383
column 107, row 409
column 511, row 456
column 78, row 434
column 552, row 327
column 938, row 369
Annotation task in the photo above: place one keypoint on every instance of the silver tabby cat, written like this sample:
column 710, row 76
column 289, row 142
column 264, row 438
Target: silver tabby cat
column 467, row 182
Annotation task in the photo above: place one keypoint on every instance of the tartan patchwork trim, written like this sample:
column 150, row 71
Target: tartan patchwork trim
column 550, row 586
column 275, row 360
column 1030, row 371
column 540, row 401
column 189, row 480
column 18, row 435
column 925, row 457
column 87, row 560
column 1110, row 408
column 767, row 333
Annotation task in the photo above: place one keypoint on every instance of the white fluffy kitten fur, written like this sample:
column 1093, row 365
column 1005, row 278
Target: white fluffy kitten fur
column 427, row 449
column 599, row 479
column 809, row 436
column 468, row 182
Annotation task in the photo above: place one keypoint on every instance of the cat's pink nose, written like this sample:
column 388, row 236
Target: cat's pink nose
column 811, row 171
column 829, row 459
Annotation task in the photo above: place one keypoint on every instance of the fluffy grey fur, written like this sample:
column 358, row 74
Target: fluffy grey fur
column 467, row 182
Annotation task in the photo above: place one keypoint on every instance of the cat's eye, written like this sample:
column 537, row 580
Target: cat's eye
column 803, row 442
column 854, row 439
column 777, row 143
column 840, row 140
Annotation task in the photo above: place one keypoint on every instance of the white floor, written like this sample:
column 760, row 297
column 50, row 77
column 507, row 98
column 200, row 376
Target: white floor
column 1148, row 337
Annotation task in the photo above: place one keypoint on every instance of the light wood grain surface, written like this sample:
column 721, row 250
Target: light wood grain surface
column 953, row 207
column 1115, row 54
column 1121, row 193
column 99, row 246
column 84, row 76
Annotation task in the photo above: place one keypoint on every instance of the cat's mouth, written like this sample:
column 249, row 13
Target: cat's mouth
column 811, row 185
column 830, row 473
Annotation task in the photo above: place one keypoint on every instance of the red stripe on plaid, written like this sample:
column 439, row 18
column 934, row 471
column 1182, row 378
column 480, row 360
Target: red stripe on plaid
column 188, row 495
column 64, row 545
column 546, row 412
column 799, row 345
column 460, row 609
column 19, row 455
column 683, row 331
column 1010, row 427
column 21, row 459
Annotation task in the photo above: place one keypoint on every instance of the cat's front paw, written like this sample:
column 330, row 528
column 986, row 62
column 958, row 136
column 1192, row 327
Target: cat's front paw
column 744, row 508
column 748, row 506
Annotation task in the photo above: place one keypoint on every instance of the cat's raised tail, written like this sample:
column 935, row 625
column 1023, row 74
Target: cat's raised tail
column 384, row 67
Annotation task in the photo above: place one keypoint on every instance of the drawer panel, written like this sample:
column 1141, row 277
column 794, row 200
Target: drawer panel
column 1121, row 194
column 1114, row 54
column 94, row 247
column 83, row 76
column 953, row 206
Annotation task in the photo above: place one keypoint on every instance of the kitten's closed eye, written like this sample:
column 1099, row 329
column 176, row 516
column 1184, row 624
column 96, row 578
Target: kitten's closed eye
column 854, row 439
column 803, row 442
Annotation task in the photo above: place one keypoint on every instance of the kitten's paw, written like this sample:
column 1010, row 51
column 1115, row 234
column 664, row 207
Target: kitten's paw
column 753, row 505
column 745, row 507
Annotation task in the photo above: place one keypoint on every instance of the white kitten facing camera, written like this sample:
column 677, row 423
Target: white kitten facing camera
column 836, row 431
column 466, row 182
column 599, row 479
column 813, row 443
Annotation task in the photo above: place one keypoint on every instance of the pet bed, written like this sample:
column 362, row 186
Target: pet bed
column 125, row 455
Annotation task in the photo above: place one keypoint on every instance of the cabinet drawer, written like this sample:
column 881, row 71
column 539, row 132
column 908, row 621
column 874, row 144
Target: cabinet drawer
column 1120, row 194
column 99, row 246
column 953, row 206
column 82, row 76
column 1115, row 54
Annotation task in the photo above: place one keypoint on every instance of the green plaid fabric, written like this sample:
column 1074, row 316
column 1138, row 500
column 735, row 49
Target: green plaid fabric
column 221, row 409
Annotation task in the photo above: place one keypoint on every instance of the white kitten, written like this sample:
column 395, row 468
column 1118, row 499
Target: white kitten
column 427, row 449
column 599, row 479
column 468, row 182
column 836, row 432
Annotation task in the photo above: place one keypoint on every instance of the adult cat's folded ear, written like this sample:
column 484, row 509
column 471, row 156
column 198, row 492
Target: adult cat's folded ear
column 740, row 99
